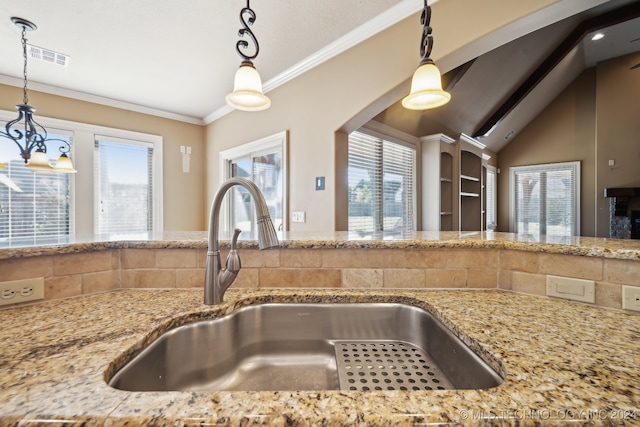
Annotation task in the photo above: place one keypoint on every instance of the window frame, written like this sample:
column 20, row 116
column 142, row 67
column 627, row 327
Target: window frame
column 279, row 141
column 545, row 167
column 152, row 141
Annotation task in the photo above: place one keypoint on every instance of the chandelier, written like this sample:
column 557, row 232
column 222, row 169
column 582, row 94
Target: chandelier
column 26, row 133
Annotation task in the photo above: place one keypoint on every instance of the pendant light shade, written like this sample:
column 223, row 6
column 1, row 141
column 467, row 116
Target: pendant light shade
column 426, row 89
column 64, row 165
column 39, row 162
column 247, row 90
column 426, row 84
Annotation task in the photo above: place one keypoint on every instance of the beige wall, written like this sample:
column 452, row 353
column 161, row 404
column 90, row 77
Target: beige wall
column 316, row 105
column 563, row 132
column 182, row 193
column 596, row 119
column 618, row 130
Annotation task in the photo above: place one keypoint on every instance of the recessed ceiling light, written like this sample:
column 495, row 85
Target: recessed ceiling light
column 597, row 36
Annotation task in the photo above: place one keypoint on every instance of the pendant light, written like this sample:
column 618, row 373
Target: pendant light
column 25, row 132
column 426, row 84
column 247, row 92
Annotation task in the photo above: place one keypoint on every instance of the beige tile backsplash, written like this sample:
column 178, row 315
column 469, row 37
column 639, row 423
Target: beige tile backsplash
column 75, row 274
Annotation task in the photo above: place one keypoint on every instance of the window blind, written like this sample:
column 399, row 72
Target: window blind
column 381, row 185
column 34, row 207
column 490, row 194
column 546, row 199
column 123, row 175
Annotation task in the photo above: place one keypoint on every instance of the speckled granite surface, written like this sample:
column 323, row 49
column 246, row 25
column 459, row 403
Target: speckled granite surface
column 583, row 246
column 565, row 363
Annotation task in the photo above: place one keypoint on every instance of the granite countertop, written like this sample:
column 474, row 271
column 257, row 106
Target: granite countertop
column 564, row 361
column 582, row 246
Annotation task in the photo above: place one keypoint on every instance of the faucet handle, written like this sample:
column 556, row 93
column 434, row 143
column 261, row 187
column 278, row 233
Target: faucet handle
column 233, row 259
column 234, row 239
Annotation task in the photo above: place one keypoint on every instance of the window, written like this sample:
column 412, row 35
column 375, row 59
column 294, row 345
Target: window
column 263, row 162
column 124, row 187
column 490, row 197
column 46, row 203
column 381, row 179
column 35, row 208
column 545, row 199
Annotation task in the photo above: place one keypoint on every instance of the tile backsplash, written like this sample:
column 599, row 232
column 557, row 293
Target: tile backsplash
column 89, row 272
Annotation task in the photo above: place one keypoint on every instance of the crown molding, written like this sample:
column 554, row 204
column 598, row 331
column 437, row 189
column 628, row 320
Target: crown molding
column 100, row 100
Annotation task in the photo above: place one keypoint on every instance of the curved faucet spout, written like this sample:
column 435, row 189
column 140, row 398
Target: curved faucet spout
column 218, row 280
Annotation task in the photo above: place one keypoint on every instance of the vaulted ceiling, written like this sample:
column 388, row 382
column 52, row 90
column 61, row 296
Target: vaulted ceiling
column 497, row 94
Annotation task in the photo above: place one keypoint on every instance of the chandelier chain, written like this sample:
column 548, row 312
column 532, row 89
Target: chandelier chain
column 426, row 42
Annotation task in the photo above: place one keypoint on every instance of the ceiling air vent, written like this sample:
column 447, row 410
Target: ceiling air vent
column 48, row 55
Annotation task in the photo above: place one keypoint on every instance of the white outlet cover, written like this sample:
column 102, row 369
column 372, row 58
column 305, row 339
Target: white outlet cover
column 569, row 288
column 631, row 298
column 17, row 291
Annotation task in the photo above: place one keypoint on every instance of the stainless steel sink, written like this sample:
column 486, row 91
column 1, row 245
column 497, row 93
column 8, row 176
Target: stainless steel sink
column 348, row 346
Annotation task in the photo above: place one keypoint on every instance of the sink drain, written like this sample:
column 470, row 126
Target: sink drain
column 386, row 365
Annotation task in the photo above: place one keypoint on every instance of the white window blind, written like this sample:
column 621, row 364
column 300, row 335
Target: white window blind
column 124, row 186
column 381, row 179
column 490, row 194
column 545, row 199
column 35, row 208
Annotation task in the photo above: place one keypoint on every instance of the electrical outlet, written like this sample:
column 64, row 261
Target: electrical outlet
column 631, row 298
column 17, row 291
column 570, row 288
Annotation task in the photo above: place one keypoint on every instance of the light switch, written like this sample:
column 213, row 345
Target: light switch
column 298, row 216
column 319, row 183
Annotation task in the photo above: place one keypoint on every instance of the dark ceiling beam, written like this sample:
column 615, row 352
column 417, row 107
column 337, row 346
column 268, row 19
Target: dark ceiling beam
column 614, row 17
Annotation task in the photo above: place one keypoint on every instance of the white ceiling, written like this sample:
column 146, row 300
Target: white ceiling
column 177, row 58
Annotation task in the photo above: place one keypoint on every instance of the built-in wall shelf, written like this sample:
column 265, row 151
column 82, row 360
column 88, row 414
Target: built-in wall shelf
column 470, row 186
column 452, row 183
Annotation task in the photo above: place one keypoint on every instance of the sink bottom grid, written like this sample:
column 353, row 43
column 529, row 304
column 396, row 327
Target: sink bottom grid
column 386, row 365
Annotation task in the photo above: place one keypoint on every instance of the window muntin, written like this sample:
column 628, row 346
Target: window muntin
column 381, row 185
